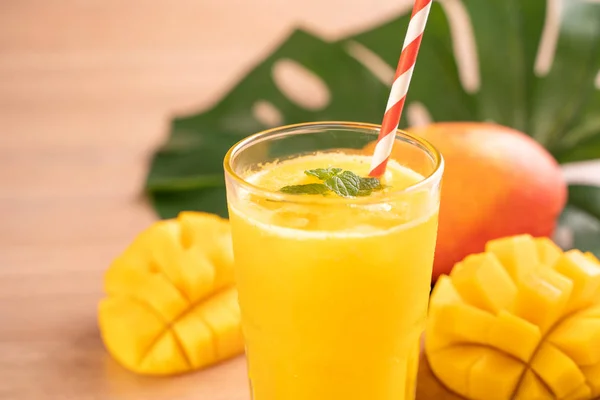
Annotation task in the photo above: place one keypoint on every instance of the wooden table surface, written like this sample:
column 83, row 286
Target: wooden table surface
column 86, row 91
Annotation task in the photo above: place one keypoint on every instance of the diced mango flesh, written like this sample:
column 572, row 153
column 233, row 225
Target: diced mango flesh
column 434, row 343
column 168, row 347
column 579, row 338
column 452, row 366
column 532, row 387
column 171, row 306
column 464, row 323
column 590, row 256
column 471, row 278
column 130, row 329
column 514, row 336
column 494, row 386
column 544, row 343
column 444, row 292
column 199, row 280
column 197, row 339
column 225, row 325
column 166, row 252
column 585, row 275
column 557, row 370
column 542, row 297
column 548, row 251
column 152, row 288
column 518, row 254
column 458, row 321
column 217, row 246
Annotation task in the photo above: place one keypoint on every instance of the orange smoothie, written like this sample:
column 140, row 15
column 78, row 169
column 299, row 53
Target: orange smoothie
column 334, row 295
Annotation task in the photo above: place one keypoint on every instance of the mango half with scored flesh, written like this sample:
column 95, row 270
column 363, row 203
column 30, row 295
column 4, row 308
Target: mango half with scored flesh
column 519, row 321
column 171, row 305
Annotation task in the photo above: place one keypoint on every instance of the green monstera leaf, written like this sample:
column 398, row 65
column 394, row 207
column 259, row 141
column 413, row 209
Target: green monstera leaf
column 560, row 109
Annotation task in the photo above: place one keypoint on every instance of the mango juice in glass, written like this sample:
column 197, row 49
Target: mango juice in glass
column 333, row 269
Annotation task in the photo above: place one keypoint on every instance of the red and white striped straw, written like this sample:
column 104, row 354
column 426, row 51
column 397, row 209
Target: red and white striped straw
column 404, row 72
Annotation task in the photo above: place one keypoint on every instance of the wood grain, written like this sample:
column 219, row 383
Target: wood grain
column 86, row 91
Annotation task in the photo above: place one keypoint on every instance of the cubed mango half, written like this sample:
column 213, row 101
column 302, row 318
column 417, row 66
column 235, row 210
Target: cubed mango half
column 171, row 305
column 519, row 321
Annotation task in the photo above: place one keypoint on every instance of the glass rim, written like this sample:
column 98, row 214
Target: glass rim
column 278, row 131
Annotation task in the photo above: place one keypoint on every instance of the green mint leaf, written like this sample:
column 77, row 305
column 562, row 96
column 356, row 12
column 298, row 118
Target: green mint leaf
column 345, row 184
column 370, row 184
column 323, row 173
column 310, row 188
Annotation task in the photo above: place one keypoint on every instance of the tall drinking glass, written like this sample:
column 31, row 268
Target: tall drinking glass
column 333, row 288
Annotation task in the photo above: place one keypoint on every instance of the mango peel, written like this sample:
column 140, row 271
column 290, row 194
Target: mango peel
column 171, row 305
column 519, row 321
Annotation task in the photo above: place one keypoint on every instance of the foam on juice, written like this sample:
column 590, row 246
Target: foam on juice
column 344, row 219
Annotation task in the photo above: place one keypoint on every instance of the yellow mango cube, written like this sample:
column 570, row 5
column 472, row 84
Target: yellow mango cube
column 518, row 254
column 592, row 257
column 585, row 275
column 444, row 293
column 167, row 346
column 543, row 296
column 548, row 251
column 217, row 246
column 532, row 387
column 464, row 323
column 471, row 278
column 514, row 336
column 165, row 252
column 152, row 288
column 129, row 330
column 452, row 366
column 197, row 339
column 579, row 338
column 224, row 323
column 460, row 321
column 199, row 282
column 494, row 386
column 557, row 370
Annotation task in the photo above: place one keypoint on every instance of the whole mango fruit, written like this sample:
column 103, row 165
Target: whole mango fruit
column 171, row 305
column 497, row 182
column 518, row 321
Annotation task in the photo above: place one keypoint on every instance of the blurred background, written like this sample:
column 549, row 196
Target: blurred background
column 87, row 89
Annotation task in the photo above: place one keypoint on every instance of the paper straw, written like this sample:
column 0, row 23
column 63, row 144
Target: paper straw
column 404, row 72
